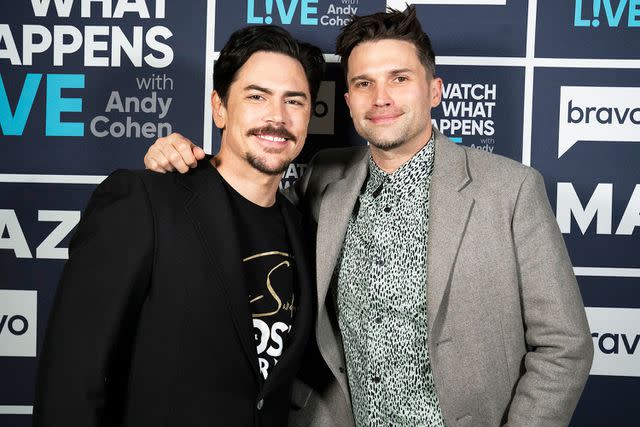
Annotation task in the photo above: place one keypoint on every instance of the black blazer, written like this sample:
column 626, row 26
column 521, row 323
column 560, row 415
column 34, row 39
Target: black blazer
column 151, row 324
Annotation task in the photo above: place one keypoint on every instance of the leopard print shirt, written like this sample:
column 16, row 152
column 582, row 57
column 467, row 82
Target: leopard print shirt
column 381, row 298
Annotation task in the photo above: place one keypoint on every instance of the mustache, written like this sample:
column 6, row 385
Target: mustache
column 280, row 132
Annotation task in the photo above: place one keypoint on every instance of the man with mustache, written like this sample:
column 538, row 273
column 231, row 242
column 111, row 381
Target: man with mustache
column 445, row 292
column 187, row 300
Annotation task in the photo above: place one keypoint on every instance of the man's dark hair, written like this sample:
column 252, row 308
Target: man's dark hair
column 392, row 24
column 265, row 38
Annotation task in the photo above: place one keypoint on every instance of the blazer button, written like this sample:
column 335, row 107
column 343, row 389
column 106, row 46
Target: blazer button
column 341, row 369
column 260, row 404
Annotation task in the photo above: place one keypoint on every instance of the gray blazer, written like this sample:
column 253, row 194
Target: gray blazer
column 508, row 336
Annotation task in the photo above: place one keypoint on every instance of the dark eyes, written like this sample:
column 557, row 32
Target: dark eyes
column 365, row 84
column 257, row 97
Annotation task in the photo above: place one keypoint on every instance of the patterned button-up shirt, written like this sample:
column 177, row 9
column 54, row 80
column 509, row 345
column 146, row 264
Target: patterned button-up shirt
column 381, row 298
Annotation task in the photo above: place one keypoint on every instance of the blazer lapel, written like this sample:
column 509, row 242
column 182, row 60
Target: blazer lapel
column 215, row 225
column 449, row 212
column 338, row 202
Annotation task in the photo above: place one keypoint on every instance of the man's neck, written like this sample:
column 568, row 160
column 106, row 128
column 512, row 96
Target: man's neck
column 391, row 160
column 253, row 185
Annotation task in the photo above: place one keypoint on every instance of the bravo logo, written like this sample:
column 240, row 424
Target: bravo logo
column 18, row 316
column 616, row 341
column 602, row 114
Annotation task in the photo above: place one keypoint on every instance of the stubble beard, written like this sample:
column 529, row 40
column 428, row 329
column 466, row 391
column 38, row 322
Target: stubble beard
column 402, row 135
column 259, row 163
column 385, row 143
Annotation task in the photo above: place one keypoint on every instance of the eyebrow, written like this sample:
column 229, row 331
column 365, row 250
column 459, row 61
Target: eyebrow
column 401, row 70
column 392, row 73
column 288, row 93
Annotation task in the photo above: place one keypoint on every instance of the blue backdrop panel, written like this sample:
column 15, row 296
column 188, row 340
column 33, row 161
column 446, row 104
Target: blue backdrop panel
column 315, row 21
column 57, row 139
column 470, row 30
column 607, row 401
column 36, row 267
column 587, row 164
column 618, row 292
column 479, row 110
column 588, row 29
column 80, row 115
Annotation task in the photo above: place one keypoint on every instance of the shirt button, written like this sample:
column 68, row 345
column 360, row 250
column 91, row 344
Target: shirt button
column 376, row 379
column 380, row 262
column 379, row 320
column 387, row 209
column 260, row 404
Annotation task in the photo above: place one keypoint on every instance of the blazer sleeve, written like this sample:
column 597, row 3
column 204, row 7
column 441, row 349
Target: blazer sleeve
column 557, row 334
column 85, row 357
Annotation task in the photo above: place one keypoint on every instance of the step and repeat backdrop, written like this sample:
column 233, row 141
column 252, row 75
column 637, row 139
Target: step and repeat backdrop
column 87, row 85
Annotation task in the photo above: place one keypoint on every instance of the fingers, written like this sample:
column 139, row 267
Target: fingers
column 184, row 149
column 154, row 160
column 198, row 152
column 173, row 152
column 174, row 148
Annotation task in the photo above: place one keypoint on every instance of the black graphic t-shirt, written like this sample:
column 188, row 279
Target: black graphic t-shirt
column 269, row 275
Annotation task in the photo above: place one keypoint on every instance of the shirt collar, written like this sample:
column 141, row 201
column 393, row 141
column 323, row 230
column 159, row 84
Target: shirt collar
column 408, row 176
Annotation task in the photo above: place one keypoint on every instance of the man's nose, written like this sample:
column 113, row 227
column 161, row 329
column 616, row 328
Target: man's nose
column 277, row 113
column 382, row 98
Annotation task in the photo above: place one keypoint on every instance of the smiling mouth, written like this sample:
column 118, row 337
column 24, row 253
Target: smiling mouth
column 271, row 138
column 382, row 119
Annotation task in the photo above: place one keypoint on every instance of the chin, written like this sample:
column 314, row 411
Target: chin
column 268, row 167
column 385, row 144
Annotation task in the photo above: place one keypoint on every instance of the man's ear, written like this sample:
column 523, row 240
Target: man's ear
column 218, row 110
column 346, row 99
column 436, row 91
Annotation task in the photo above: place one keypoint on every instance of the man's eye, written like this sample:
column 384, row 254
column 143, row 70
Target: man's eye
column 362, row 84
column 294, row 102
column 255, row 97
column 401, row 79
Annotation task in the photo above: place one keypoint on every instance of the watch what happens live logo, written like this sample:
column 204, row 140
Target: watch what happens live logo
column 607, row 13
column 98, row 46
column 468, row 111
column 334, row 13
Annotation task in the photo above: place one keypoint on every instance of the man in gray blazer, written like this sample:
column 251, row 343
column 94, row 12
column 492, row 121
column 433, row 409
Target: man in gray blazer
column 445, row 294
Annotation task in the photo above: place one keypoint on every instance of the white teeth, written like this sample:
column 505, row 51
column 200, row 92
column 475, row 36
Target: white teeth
column 272, row 138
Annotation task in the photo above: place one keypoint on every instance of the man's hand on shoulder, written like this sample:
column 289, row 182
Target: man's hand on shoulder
column 171, row 153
